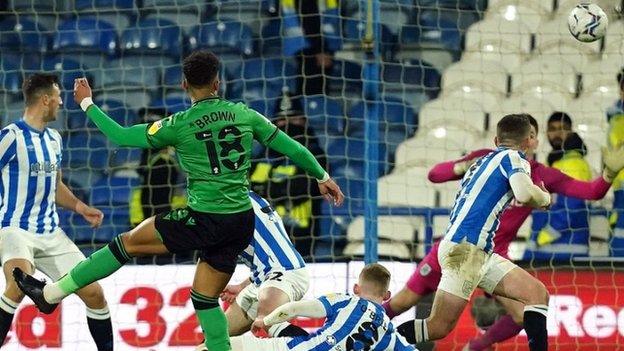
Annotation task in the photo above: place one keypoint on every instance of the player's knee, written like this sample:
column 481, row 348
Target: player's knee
column 438, row 328
column 13, row 292
column 539, row 295
column 93, row 296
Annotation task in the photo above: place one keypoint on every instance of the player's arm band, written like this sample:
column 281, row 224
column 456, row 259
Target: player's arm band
column 301, row 156
column 310, row 308
column 122, row 136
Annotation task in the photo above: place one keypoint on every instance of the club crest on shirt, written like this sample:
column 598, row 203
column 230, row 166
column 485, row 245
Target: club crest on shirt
column 330, row 340
column 425, row 269
column 155, row 127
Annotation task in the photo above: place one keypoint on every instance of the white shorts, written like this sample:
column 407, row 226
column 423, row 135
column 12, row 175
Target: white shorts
column 293, row 283
column 466, row 267
column 53, row 254
column 249, row 342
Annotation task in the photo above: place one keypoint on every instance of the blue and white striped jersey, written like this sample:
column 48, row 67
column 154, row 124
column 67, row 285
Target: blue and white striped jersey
column 29, row 162
column 270, row 248
column 352, row 323
column 484, row 194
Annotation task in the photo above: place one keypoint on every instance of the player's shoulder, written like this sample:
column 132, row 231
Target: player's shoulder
column 55, row 134
column 10, row 131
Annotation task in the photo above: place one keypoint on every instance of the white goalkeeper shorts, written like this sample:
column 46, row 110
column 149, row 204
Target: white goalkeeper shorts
column 466, row 267
column 293, row 283
column 53, row 254
column 249, row 342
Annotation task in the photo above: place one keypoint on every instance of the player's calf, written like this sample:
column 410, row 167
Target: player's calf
column 98, row 316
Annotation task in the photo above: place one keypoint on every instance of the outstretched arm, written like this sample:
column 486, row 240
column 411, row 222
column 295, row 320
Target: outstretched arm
column 65, row 198
column 560, row 183
column 454, row 170
column 135, row 136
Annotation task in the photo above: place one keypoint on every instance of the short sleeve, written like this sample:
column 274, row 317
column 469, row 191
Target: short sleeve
column 514, row 162
column 333, row 303
column 162, row 133
column 264, row 131
column 7, row 146
column 57, row 144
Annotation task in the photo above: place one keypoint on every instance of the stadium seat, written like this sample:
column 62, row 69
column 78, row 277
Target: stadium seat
column 555, row 33
column 545, row 75
column 23, row 34
column 406, row 188
column 116, row 221
column 104, row 5
column 393, row 228
column 499, row 35
column 394, row 115
column 345, row 77
column 325, row 115
column 538, row 107
column 134, row 99
column 153, row 36
column 128, row 74
column 223, row 37
column 13, row 111
column 453, row 113
column 487, row 100
column 353, row 31
column 263, row 106
column 431, row 146
column 476, row 75
column 11, row 83
column 87, row 34
column 119, row 13
column 85, row 150
column 172, row 77
column 171, row 105
column 115, row 109
column 36, row 6
column 346, row 157
column 531, row 13
column 277, row 73
column 412, row 76
column 112, row 191
column 270, row 40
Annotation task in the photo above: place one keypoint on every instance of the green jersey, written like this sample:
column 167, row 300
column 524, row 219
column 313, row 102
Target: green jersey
column 213, row 140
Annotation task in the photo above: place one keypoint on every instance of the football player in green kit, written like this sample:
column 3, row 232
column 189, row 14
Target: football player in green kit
column 213, row 141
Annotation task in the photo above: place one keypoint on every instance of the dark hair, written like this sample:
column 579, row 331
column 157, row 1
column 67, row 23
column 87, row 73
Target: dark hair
column 533, row 122
column 562, row 117
column 620, row 79
column 200, row 68
column 35, row 84
column 377, row 275
column 514, row 127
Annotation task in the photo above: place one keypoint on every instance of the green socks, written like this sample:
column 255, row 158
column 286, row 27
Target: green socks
column 100, row 264
column 213, row 322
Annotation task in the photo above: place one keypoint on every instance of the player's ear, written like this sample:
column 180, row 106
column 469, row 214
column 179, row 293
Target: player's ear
column 184, row 84
column 356, row 289
column 496, row 141
column 387, row 295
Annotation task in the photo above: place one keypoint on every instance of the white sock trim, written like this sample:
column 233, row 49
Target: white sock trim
column 541, row 309
column 100, row 314
column 420, row 330
column 8, row 305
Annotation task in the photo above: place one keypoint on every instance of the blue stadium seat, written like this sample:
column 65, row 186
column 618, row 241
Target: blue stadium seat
column 23, row 34
column 36, row 6
column 119, row 112
column 88, row 34
column 325, row 115
column 153, row 36
column 171, row 105
column 345, row 77
column 226, row 36
column 81, row 180
column 11, row 82
column 128, row 74
column 414, row 77
column 85, row 150
column 265, row 107
column 394, row 115
column 126, row 158
column 346, row 157
column 430, row 30
column 172, row 77
column 116, row 221
column 18, row 62
column 272, row 73
column 103, row 5
column 67, row 69
column 270, row 38
column 112, row 191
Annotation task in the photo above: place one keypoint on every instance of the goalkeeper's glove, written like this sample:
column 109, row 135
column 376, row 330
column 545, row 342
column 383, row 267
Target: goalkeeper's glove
column 613, row 160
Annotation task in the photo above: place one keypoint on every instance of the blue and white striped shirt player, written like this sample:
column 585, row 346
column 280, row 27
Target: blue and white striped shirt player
column 29, row 163
column 352, row 323
column 271, row 248
column 485, row 193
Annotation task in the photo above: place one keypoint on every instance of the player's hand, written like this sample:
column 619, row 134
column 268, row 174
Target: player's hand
column 230, row 293
column 81, row 90
column 331, row 192
column 613, row 160
column 90, row 214
column 258, row 325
